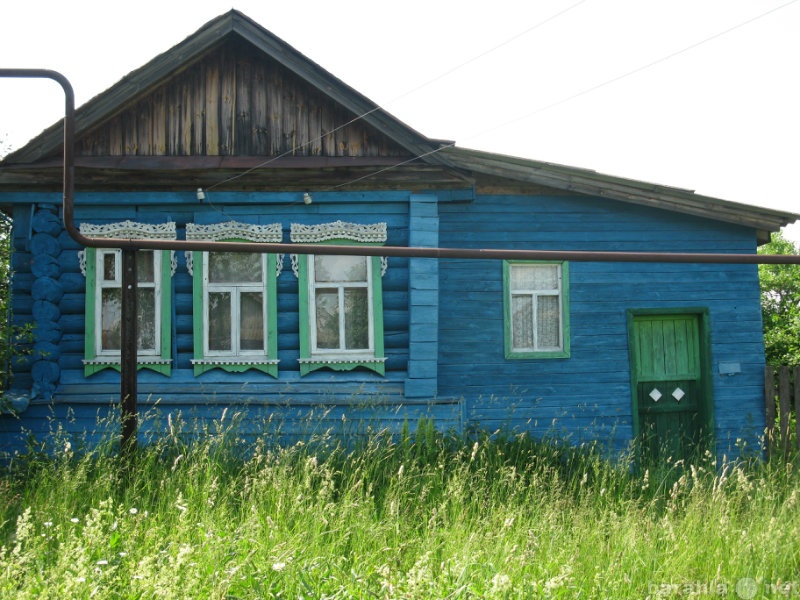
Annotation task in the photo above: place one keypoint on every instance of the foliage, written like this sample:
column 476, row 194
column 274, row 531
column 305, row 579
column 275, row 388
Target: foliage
column 780, row 304
column 14, row 339
column 421, row 515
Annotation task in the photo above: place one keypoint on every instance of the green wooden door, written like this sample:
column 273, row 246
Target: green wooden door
column 668, row 384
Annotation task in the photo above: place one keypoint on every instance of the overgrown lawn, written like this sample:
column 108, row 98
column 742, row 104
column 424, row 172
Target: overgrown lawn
column 414, row 516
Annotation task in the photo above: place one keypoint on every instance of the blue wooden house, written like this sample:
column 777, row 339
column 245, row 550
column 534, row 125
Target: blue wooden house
column 234, row 135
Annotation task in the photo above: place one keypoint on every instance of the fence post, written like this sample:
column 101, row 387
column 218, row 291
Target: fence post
column 797, row 406
column 769, row 403
column 784, row 394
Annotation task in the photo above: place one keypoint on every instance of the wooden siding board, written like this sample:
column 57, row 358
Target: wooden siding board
column 463, row 355
column 471, row 342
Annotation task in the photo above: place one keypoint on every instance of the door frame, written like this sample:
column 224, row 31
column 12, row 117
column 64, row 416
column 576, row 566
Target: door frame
column 706, row 383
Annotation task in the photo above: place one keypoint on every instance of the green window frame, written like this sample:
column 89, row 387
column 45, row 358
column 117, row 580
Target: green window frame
column 536, row 309
column 235, row 317
column 103, row 271
column 340, row 299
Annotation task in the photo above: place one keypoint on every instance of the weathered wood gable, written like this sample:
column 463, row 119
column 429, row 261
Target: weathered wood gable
column 235, row 101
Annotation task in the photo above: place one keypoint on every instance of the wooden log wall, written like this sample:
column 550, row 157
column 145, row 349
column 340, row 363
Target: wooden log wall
column 235, row 102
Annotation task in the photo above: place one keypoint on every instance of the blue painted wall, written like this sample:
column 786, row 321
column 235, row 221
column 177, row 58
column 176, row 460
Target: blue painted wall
column 588, row 396
column 443, row 319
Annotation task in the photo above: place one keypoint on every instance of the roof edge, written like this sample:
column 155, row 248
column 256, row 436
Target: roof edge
column 590, row 182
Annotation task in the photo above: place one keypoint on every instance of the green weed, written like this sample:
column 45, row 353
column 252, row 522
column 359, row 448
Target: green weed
column 202, row 514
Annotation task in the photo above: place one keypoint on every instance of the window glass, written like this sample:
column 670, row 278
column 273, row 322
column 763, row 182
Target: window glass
column 522, row 321
column 111, row 307
column 251, row 325
column 340, row 268
column 327, row 311
column 109, row 266
column 146, row 318
column 145, row 269
column 548, row 322
column 534, row 277
column 234, row 267
column 356, row 310
column 219, row 321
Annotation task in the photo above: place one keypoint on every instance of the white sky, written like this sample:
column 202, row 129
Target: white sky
column 554, row 80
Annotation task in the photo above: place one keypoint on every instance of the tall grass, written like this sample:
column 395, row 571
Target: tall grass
column 420, row 515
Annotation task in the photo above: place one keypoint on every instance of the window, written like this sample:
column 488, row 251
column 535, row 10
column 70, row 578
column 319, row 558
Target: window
column 536, row 309
column 235, row 315
column 341, row 299
column 103, row 271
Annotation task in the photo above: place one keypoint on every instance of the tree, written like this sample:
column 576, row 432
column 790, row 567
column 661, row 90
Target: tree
column 6, row 330
column 780, row 304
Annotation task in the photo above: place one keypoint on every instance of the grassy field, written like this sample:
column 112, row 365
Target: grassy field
column 416, row 516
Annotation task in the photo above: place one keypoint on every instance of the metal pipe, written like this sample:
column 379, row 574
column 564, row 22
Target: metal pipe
column 128, row 362
column 399, row 251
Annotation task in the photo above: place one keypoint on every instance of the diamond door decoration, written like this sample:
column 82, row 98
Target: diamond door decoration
column 655, row 395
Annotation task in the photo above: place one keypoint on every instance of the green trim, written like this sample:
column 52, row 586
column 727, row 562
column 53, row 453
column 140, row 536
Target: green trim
column 303, row 311
column 90, row 314
column 197, row 310
column 343, row 364
column 198, row 329
column 512, row 354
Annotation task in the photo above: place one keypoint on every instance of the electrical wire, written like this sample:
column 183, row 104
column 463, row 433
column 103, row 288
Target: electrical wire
column 527, row 115
column 581, row 93
column 407, row 93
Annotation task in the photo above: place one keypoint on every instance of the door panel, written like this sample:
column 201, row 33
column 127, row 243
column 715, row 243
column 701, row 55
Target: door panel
column 668, row 384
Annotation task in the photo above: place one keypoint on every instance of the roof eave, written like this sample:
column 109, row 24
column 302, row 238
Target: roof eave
column 587, row 182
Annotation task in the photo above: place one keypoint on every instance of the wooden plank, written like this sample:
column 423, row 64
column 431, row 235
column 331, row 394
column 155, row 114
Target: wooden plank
column 211, row 109
column 198, row 112
column 797, row 406
column 186, row 125
column 227, row 103
column 784, row 395
column 769, row 399
column 243, row 130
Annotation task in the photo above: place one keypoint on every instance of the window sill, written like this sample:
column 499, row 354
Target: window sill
column 154, row 363
column 340, row 363
column 235, row 364
column 537, row 355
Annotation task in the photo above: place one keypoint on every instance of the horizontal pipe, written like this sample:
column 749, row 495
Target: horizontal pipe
column 400, row 251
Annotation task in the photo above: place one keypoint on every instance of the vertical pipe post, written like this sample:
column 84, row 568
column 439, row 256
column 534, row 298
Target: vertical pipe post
column 128, row 348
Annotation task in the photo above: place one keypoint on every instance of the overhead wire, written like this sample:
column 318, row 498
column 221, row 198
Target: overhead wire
column 576, row 95
column 527, row 115
column 377, row 108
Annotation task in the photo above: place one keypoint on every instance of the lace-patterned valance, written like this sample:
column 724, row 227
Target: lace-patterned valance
column 338, row 230
column 233, row 230
column 129, row 230
column 272, row 233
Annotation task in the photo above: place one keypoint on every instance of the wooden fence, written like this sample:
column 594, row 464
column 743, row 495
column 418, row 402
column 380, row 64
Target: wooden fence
column 782, row 397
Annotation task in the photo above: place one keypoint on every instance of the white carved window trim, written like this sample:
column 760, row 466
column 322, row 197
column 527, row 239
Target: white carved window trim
column 339, row 359
column 234, row 360
column 96, row 358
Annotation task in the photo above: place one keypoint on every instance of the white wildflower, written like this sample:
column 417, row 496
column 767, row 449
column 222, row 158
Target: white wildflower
column 278, row 566
column 501, row 583
column 133, row 510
